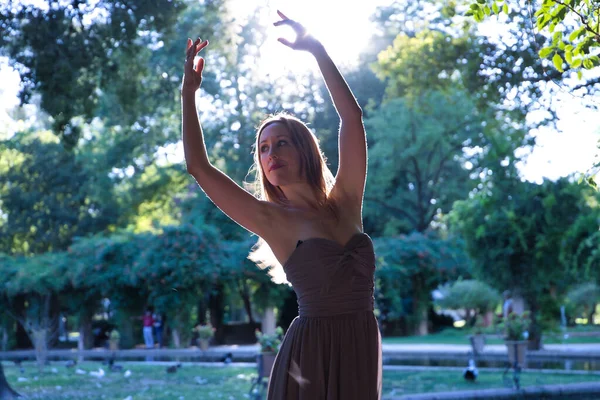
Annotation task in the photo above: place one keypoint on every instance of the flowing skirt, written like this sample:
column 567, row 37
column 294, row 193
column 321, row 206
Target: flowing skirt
column 329, row 358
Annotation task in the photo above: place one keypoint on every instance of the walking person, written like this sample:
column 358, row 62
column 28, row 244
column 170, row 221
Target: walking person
column 148, row 323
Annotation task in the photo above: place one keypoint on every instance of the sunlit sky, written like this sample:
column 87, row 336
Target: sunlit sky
column 345, row 30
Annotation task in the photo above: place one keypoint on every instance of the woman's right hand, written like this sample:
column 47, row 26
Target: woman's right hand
column 192, row 75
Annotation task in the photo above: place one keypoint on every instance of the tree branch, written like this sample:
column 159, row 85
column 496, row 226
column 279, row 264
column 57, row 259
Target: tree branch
column 392, row 208
column 583, row 20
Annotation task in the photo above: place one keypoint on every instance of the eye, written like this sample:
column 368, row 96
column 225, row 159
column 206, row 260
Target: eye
column 263, row 148
column 281, row 141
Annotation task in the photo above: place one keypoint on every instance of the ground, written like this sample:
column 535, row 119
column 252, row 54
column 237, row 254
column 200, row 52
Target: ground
column 225, row 382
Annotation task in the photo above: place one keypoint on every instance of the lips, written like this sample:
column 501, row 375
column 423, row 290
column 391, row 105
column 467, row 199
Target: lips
column 275, row 166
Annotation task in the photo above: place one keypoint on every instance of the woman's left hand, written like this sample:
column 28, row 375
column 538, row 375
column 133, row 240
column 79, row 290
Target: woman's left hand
column 304, row 41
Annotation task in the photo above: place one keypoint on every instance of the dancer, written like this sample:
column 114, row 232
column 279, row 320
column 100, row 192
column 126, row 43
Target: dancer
column 313, row 225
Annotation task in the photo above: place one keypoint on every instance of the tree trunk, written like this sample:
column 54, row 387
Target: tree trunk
column 6, row 392
column 176, row 339
column 245, row 295
column 86, row 339
column 268, row 322
column 202, row 308
column 4, row 338
column 535, row 330
column 53, row 318
column 590, row 316
column 420, row 306
column 216, row 312
column 422, row 326
column 22, row 338
column 40, row 341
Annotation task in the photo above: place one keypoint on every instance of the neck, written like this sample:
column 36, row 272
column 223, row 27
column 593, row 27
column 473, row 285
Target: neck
column 300, row 196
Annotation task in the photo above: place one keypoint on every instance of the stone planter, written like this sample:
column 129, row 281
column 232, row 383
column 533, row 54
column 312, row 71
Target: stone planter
column 203, row 344
column 268, row 359
column 477, row 343
column 517, row 350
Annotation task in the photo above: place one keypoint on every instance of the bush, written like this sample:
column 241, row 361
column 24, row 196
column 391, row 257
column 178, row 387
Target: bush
column 469, row 295
column 205, row 331
column 517, row 326
column 270, row 343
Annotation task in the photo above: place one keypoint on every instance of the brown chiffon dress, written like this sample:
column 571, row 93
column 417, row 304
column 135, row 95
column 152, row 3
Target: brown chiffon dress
column 332, row 350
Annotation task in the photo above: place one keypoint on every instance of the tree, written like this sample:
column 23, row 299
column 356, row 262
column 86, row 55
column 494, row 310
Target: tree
column 254, row 286
column 418, row 166
column 507, row 73
column 30, row 292
column 574, row 41
column 48, row 196
column 514, row 233
column 6, row 392
column 580, row 253
column 472, row 296
column 437, row 134
column 68, row 50
column 585, row 297
column 178, row 266
column 410, row 268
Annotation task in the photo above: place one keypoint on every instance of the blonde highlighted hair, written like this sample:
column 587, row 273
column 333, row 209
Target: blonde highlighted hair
column 313, row 167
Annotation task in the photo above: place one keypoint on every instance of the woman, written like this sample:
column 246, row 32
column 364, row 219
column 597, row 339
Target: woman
column 313, row 225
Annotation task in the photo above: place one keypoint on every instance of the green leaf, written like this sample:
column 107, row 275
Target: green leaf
column 588, row 64
column 557, row 61
column 557, row 11
column 474, row 6
column 487, row 10
column 569, row 57
column 505, row 9
column 576, row 33
column 495, row 7
column 481, row 1
column 541, row 22
column 556, row 37
column 579, row 75
column 480, row 15
column 576, row 63
column 469, row 13
column 545, row 52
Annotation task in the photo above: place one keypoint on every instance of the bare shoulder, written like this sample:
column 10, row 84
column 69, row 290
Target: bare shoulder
column 284, row 229
column 282, row 224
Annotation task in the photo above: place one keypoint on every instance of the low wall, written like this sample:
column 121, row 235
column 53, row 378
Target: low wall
column 574, row 391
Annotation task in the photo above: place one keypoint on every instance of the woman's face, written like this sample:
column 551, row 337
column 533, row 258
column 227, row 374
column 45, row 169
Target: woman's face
column 278, row 155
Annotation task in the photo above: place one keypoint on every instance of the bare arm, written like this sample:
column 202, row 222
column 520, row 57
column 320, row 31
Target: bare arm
column 352, row 170
column 352, row 145
column 234, row 201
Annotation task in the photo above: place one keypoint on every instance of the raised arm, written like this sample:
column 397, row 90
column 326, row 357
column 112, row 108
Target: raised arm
column 239, row 205
column 352, row 169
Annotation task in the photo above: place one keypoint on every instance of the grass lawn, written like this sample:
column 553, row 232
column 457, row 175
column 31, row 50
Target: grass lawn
column 229, row 382
column 455, row 336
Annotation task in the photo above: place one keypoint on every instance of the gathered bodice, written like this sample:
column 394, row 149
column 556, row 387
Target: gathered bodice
column 332, row 279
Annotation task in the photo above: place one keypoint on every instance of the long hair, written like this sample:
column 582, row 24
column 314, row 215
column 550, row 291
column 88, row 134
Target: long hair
column 313, row 168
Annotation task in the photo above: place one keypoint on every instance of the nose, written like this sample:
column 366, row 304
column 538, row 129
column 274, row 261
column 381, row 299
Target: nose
column 272, row 154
